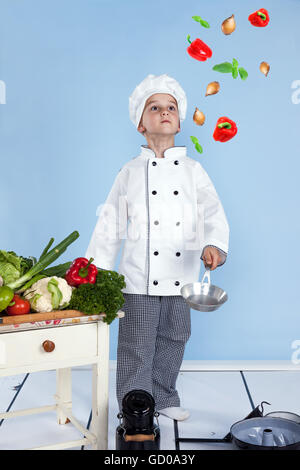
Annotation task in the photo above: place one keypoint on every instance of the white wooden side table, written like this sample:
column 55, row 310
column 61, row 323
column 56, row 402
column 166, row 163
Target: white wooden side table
column 61, row 346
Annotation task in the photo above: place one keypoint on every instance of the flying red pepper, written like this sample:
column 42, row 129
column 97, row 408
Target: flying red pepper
column 259, row 18
column 198, row 49
column 81, row 271
column 225, row 129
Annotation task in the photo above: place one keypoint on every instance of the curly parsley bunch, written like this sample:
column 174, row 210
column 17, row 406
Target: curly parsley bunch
column 103, row 296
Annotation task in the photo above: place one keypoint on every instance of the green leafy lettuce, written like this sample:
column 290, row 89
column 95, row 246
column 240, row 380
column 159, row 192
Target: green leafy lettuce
column 12, row 266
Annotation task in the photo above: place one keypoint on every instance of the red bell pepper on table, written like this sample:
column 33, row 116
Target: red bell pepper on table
column 225, row 129
column 81, row 271
column 198, row 49
column 259, row 18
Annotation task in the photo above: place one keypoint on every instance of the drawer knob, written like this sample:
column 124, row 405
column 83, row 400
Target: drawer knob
column 48, row 346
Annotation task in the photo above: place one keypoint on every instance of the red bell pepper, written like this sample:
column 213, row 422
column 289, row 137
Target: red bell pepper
column 259, row 18
column 81, row 271
column 18, row 306
column 225, row 129
column 198, row 49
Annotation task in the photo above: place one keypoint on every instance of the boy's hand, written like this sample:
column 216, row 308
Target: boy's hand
column 211, row 257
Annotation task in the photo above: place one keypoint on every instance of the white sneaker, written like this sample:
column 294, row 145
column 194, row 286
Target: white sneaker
column 175, row 412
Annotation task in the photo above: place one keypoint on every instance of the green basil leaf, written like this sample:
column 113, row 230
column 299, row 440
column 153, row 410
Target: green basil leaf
column 194, row 139
column 225, row 67
column 235, row 72
column 204, row 23
column 201, row 21
column 235, row 63
column 198, row 148
column 243, row 73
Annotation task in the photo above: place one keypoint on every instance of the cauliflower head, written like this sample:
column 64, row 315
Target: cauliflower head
column 48, row 294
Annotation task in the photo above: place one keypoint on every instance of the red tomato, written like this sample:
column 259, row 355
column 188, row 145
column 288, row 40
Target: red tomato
column 20, row 307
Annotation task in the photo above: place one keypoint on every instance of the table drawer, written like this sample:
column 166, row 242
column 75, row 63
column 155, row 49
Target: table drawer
column 49, row 344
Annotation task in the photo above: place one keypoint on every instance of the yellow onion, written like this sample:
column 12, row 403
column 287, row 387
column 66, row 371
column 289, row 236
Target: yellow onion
column 228, row 25
column 264, row 68
column 198, row 117
column 212, row 88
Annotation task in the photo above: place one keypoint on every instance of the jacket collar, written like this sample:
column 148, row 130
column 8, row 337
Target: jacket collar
column 169, row 154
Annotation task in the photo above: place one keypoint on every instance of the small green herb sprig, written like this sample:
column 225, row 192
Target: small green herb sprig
column 233, row 68
column 197, row 145
column 203, row 23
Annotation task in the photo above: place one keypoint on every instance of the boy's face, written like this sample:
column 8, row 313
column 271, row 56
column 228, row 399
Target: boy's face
column 158, row 108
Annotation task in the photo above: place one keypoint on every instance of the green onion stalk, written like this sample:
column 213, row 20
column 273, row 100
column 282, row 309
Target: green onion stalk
column 46, row 258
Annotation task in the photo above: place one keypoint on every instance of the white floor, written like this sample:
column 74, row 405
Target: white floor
column 216, row 400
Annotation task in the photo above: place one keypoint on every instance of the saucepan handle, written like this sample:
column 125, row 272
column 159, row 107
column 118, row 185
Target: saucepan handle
column 206, row 275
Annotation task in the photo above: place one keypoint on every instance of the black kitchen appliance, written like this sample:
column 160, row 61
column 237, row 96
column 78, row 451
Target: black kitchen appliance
column 137, row 430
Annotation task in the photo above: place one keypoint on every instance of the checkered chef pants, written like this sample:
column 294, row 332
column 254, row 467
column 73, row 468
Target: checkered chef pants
column 152, row 338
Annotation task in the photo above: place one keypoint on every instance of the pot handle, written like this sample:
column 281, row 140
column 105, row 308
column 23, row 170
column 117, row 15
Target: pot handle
column 206, row 275
column 262, row 406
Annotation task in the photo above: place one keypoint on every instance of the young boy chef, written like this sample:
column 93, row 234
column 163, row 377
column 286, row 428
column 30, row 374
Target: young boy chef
column 166, row 208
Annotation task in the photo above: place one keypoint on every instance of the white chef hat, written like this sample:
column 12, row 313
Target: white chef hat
column 149, row 86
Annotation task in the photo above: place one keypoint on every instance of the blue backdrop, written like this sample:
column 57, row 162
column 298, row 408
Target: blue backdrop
column 67, row 68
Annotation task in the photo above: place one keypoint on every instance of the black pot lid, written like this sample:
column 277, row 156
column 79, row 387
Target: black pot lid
column 266, row 431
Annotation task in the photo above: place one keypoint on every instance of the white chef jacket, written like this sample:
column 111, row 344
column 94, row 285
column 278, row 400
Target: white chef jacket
column 167, row 211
